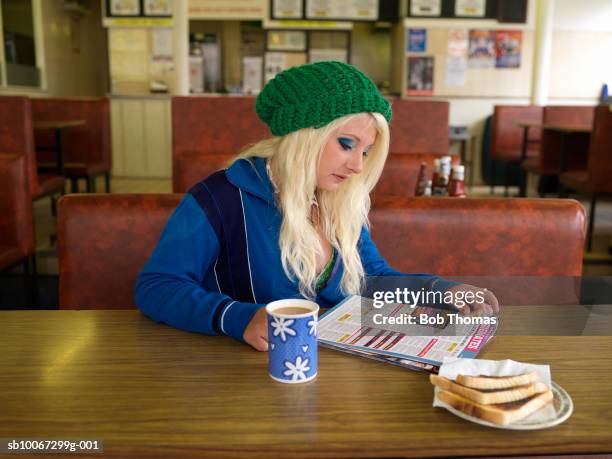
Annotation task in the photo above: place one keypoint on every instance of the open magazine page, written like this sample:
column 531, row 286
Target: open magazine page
column 404, row 363
column 349, row 326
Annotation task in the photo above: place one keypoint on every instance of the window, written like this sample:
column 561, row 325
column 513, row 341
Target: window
column 19, row 63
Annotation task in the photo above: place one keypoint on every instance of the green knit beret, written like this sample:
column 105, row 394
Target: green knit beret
column 313, row 95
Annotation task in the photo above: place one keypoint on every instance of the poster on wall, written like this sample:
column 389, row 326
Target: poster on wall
column 124, row 7
column 420, row 76
column 481, row 49
column 252, row 74
column 162, row 42
column 508, row 48
column 455, row 71
column 158, row 7
column 275, row 63
column 417, row 40
column 425, row 7
column 470, row 8
column 457, row 42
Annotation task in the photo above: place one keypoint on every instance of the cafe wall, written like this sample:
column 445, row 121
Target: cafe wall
column 72, row 52
column 581, row 54
column 75, row 51
column 580, row 48
column 371, row 50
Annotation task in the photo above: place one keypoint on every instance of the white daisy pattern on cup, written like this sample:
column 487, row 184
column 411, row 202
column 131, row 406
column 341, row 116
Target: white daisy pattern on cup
column 296, row 370
column 282, row 327
column 313, row 327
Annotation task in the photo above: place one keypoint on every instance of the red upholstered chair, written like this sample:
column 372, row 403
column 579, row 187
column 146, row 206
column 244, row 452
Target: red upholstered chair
column 86, row 149
column 401, row 173
column 547, row 163
column 484, row 237
column 213, row 124
column 597, row 178
column 507, row 137
column 193, row 167
column 419, row 127
column 17, row 136
column 104, row 240
column 16, row 226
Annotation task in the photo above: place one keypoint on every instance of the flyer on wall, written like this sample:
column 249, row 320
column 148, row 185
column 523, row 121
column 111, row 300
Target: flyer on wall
column 420, row 76
column 508, row 48
column 481, row 48
column 417, row 40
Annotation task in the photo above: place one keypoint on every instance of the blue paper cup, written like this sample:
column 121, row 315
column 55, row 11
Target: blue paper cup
column 292, row 338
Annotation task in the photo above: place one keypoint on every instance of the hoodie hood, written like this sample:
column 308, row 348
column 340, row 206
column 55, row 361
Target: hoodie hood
column 250, row 175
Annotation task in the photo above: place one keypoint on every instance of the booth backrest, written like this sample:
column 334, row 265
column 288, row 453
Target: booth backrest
column 419, row 127
column 89, row 143
column 507, row 135
column 219, row 124
column 481, row 237
column 17, row 135
column 568, row 114
column 576, row 146
column 16, row 227
column 104, row 241
column 401, row 173
column 600, row 153
column 190, row 168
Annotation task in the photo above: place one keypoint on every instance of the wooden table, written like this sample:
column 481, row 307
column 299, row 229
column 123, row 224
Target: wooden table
column 58, row 127
column 150, row 390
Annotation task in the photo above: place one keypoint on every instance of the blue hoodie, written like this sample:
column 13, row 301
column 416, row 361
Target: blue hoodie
column 178, row 286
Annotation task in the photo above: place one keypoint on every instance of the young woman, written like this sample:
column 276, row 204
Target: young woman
column 287, row 219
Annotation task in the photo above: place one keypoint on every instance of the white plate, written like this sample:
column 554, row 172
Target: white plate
column 551, row 415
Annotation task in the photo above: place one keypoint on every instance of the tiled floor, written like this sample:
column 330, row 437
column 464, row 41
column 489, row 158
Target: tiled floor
column 597, row 263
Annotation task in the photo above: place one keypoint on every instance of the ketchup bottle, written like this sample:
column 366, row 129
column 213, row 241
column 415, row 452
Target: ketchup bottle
column 456, row 187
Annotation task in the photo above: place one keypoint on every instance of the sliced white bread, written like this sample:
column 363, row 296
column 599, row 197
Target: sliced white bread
column 497, row 382
column 503, row 413
column 489, row 396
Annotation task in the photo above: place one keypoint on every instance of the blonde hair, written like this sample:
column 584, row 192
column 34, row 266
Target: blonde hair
column 293, row 161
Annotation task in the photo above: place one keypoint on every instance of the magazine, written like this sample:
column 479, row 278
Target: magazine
column 349, row 327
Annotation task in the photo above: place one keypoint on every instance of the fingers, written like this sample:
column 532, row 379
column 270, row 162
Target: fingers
column 257, row 342
column 256, row 332
column 488, row 305
column 260, row 344
column 492, row 300
column 481, row 309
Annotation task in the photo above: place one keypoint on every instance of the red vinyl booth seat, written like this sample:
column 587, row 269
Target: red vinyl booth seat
column 212, row 124
column 419, row 127
column 194, row 167
column 16, row 228
column 401, row 173
column 86, row 149
column 104, row 241
column 507, row 135
column 548, row 160
column 479, row 237
column 527, row 251
column 17, row 136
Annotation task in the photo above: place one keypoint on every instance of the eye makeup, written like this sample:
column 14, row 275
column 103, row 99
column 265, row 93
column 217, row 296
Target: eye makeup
column 346, row 143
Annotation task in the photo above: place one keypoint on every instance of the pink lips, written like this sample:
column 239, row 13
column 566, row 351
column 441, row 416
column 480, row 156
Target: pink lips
column 340, row 178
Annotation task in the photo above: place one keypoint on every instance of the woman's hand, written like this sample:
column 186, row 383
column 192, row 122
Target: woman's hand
column 256, row 332
column 481, row 302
